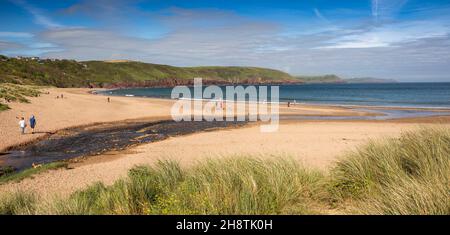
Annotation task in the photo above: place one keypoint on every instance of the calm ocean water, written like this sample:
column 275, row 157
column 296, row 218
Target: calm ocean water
column 389, row 94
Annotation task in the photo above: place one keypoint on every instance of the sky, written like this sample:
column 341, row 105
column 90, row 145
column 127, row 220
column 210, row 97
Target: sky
column 406, row 40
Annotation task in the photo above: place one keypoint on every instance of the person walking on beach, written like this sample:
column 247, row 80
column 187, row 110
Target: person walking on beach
column 22, row 125
column 109, row 100
column 32, row 123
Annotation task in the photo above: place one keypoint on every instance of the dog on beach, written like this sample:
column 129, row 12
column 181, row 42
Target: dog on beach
column 34, row 165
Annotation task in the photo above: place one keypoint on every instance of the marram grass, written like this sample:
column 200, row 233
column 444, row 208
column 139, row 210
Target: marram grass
column 406, row 175
column 16, row 93
column 18, row 203
column 221, row 186
column 409, row 175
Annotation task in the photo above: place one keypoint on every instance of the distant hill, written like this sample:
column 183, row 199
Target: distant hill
column 125, row 73
column 336, row 79
column 370, row 80
column 331, row 78
column 122, row 73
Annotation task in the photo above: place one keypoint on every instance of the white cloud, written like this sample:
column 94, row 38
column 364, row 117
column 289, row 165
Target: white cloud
column 225, row 38
column 394, row 49
column 389, row 35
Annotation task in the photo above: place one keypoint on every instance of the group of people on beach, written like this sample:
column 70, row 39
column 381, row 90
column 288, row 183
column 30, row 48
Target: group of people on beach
column 289, row 103
column 23, row 124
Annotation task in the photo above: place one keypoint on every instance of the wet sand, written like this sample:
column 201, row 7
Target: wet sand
column 91, row 140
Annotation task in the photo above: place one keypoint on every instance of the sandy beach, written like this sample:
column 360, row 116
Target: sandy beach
column 316, row 144
column 79, row 107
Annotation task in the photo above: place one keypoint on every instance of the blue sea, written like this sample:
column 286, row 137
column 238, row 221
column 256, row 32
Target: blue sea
column 414, row 95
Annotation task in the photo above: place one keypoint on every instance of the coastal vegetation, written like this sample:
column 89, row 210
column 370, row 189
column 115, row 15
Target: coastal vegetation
column 124, row 73
column 409, row 175
column 3, row 107
column 71, row 73
column 406, row 175
column 16, row 93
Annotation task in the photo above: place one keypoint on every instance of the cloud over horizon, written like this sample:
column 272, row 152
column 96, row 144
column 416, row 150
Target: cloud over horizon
column 375, row 39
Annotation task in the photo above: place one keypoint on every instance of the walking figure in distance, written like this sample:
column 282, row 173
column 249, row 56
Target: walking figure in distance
column 22, row 125
column 32, row 123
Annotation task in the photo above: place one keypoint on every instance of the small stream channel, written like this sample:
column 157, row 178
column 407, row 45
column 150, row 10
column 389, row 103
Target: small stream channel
column 99, row 138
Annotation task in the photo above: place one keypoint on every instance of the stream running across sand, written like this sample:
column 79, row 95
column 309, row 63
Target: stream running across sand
column 99, row 138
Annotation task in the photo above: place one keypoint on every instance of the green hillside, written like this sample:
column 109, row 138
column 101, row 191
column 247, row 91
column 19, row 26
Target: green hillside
column 71, row 73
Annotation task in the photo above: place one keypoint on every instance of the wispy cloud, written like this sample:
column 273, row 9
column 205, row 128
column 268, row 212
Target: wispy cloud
column 375, row 9
column 5, row 45
column 319, row 15
column 389, row 35
column 39, row 16
column 382, row 9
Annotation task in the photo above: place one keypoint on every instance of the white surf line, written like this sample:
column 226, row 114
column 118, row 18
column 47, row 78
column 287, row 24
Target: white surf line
column 219, row 100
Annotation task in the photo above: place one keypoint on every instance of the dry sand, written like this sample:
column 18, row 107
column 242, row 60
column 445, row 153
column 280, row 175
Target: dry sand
column 316, row 144
column 77, row 108
column 80, row 108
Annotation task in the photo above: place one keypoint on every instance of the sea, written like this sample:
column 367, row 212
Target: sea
column 404, row 95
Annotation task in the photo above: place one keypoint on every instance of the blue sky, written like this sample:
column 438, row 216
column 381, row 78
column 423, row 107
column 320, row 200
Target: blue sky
column 408, row 40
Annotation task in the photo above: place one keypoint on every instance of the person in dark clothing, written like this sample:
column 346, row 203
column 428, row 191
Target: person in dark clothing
column 32, row 123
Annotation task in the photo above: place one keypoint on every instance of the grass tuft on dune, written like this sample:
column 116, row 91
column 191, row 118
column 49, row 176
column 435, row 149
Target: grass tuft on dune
column 222, row 186
column 407, row 175
column 18, row 203
column 16, row 93
column 3, row 107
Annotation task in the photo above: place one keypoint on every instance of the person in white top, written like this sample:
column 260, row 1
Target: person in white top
column 22, row 125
